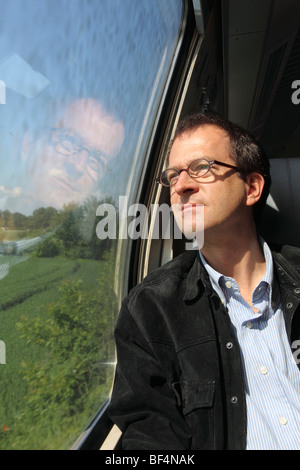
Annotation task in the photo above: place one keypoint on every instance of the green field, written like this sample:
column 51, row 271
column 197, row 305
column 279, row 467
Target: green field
column 56, row 319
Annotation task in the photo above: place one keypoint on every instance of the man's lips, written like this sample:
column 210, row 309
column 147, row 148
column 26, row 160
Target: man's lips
column 188, row 206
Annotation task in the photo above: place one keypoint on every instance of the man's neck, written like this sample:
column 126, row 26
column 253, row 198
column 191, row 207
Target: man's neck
column 241, row 258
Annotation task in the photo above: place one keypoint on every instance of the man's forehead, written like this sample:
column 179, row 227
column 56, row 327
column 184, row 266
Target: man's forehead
column 205, row 136
column 100, row 130
column 206, row 130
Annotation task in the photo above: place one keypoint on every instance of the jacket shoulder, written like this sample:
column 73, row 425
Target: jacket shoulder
column 170, row 273
column 291, row 254
column 181, row 264
column 287, row 258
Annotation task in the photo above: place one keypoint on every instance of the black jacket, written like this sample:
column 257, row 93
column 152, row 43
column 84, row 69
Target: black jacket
column 179, row 379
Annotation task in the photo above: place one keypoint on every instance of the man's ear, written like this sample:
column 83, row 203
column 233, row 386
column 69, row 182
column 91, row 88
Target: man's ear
column 255, row 186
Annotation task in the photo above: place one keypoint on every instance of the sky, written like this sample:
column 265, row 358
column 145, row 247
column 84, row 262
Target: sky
column 100, row 58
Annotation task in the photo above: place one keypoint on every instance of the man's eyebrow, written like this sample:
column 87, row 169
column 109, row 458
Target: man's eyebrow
column 78, row 139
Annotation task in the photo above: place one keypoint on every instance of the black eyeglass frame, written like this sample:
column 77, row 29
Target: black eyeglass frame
column 210, row 164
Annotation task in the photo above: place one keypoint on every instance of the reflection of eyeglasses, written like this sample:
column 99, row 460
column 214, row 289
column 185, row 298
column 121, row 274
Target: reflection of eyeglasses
column 196, row 169
column 67, row 144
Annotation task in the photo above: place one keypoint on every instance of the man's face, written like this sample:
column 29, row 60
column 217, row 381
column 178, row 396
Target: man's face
column 70, row 158
column 221, row 192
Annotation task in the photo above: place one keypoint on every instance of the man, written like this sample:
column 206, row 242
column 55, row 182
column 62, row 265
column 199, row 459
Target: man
column 205, row 343
column 67, row 161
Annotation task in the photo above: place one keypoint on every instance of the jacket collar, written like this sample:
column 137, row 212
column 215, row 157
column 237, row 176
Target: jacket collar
column 197, row 280
column 289, row 277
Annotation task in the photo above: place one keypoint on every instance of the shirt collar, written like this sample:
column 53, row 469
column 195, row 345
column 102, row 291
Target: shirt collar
column 215, row 277
column 268, row 277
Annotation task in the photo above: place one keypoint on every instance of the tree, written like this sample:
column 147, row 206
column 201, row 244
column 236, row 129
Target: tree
column 69, row 230
column 45, row 218
column 49, row 248
column 97, row 247
column 20, row 221
column 8, row 219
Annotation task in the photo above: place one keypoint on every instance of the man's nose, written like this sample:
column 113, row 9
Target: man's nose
column 76, row 163
column 185, row 184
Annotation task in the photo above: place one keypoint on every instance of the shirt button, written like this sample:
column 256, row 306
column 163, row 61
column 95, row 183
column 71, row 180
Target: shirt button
column 289, row 305
column 234, row 400
column 229, row 345
column 264, row 370
column 228, row 284
column 249, row 324
column 283, row 421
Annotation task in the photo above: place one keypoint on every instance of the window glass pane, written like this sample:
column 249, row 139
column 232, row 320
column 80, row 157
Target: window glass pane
column 80, row 81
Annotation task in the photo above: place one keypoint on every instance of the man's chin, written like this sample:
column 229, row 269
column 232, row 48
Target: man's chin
column 191, row 223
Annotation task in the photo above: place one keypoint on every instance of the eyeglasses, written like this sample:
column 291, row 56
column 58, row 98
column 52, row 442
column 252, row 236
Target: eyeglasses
column 67, row 144
column 196, row 169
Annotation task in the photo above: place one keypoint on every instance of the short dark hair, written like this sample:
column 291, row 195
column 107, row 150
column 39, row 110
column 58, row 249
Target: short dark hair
column 248, row 155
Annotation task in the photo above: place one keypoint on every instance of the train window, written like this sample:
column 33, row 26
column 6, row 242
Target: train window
column 80, row 83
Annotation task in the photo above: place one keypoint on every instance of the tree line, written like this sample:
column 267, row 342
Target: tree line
column 70, row 231
column 42, row 218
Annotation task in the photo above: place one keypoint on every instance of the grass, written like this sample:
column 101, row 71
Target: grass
column 26, row 291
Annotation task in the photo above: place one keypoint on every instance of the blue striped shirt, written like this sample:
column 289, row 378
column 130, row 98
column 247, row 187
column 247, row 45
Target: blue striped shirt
column 272, row 378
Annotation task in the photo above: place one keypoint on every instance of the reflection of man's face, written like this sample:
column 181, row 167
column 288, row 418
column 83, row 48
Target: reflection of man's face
column 72, row 157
